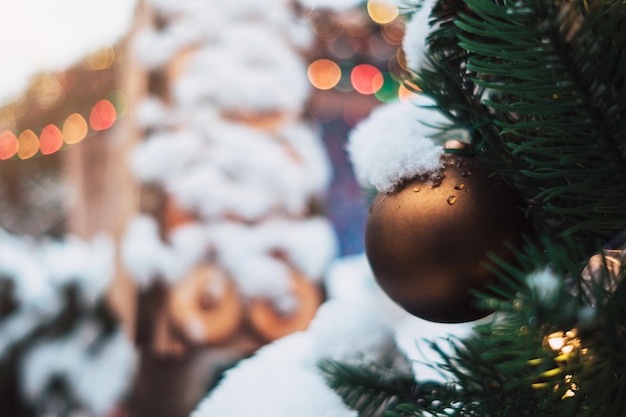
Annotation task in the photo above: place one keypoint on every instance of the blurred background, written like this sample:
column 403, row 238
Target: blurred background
column 174, row 188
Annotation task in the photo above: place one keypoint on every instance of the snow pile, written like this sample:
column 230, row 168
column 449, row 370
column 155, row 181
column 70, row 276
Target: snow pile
column 97, row 372
column 358, row 325
column 417, row 29
column 245, row 53
column 396, row 142
column 217, row 166
column 245, row 251
column 41, row 270
column 292, row 363
column 227, row 141
column 63, row 278
column 40, row 36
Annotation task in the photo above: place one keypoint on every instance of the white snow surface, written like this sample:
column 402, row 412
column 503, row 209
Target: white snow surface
column 245, row 251
column 50, row 36
column 334, row 5
column 98, row 378
column 282, row 379
column 218, row 168
column 39, row 269
column 248, row 69
column 417, row 29
column 396, row 142
column 545, row 284
column 358, row 325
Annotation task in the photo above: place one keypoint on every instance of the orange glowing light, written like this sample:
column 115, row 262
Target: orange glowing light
column 50, row 140
column 28, row 144
column 393, row 33
column 382, row 11
column 324, row 74
column 8, row 144
column 103, row 115
column 366, row 79
column 74, row 129
column 405, row 95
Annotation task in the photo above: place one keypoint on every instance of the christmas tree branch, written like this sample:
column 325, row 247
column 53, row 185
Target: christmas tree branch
column 538, row 84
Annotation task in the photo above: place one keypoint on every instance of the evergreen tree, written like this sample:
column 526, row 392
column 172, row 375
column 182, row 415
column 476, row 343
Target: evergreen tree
column 538, row 84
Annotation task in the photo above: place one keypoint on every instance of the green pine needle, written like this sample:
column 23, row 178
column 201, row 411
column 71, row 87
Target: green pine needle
column 539, row 83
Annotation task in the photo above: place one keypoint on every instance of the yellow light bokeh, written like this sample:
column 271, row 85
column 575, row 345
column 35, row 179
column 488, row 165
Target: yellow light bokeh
column 324, row 74
column 75, row 129
column 27, row 144
column 382, row 11
column 101, row 60
column 405, row 95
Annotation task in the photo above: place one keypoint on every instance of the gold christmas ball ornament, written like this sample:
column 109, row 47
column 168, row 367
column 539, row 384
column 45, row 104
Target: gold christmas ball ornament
column 428, row 241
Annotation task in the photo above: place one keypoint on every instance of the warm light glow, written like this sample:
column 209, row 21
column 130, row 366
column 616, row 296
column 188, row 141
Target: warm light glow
column 28, row 144
column 381, row 11
column 405, row 95
column 393, row 33
column 7, row 119
column 8, row 145
column 324, row 74
column 556, row 340
column 101, row 60
column 564, row 342
column 74, row 129
column 47, row 91
column 366, row 79
column 50, row 140
column 102, row 115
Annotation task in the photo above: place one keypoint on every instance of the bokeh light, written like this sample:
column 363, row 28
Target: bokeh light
column 389, row 90
column 119, row 101
column 366, row 79
column 47, row 90
column 101, row 60
column 393, row 33
column 382, row 11
column 7, row 119
column 50, row 139
column 405, row 95
column 28, row 144
column 74, row 129
column 324, row 74
column 102, row 115
column 8, row 145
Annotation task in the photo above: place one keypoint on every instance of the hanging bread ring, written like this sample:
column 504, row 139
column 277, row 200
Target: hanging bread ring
column 205, row 306
column 174, row 215
column 272, row 324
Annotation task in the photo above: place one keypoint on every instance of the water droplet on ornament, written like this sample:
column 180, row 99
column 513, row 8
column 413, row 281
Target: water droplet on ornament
column 466, row 174
column 459, row 186
column 416, row 189
column 451, row 200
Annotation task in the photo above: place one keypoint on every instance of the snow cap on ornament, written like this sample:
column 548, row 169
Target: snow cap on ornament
column 397, row 141
column 440, row 216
